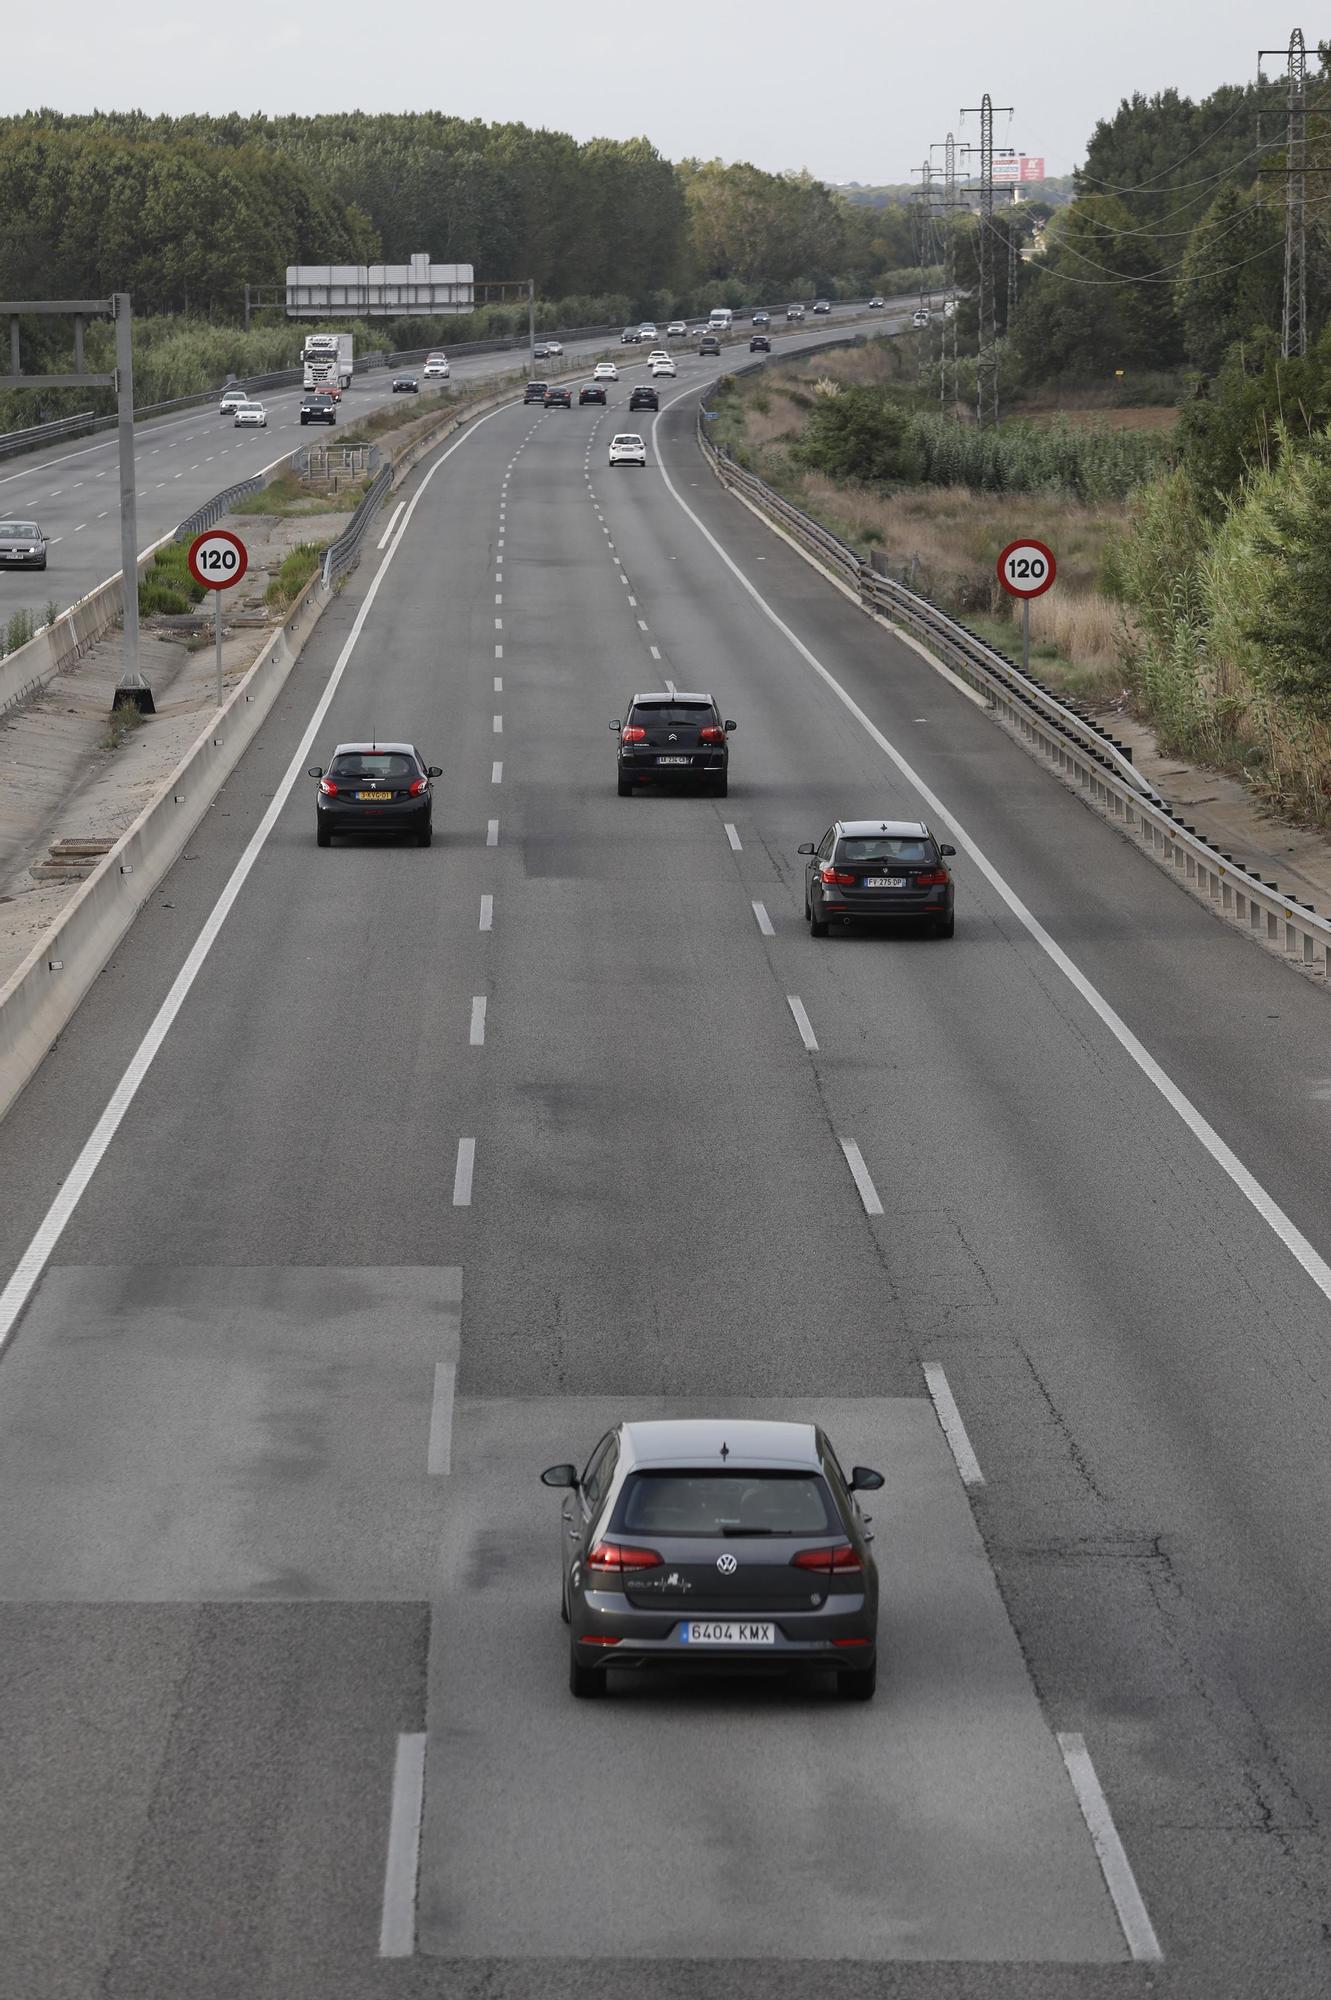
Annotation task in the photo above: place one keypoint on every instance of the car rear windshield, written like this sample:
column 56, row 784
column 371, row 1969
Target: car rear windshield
column 672, row 711
column 27, row 531
column 725, row 1503
column 373, row 764
column 887, row 847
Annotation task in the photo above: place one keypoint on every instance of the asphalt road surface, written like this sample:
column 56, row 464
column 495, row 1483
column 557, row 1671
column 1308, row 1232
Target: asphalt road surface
column 72, row 489
column 356, row 1256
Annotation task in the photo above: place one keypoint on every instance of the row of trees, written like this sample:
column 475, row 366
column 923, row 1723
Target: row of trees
column 184, row 211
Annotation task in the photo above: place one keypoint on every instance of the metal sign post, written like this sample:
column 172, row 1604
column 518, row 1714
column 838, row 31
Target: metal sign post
column 1026, row 570
column 217, row 559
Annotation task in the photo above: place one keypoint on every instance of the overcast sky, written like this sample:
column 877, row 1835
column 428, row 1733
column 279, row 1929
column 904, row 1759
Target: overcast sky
column 852, row 91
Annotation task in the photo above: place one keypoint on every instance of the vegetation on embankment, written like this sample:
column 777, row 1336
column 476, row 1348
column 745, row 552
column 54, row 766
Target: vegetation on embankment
column 293, row 573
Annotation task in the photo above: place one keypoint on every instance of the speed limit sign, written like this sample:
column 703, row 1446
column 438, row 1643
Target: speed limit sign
column 217, row 559
column 1026, row 569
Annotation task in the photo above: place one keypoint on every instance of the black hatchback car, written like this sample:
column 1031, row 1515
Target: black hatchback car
column 668, row 737
column 760, row 344
column 375, row 788
column 878, row 868
column 591, row 392
column 644, row 398
column 718, row 1545
column 535, row 392
column 406, row 385
column 559, row 399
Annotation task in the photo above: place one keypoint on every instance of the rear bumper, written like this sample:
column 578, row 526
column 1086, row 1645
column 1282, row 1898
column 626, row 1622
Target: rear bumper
column 338, row 817
column 883, row 907
column 24, row 562
column 646, row 771
column 828, row 1638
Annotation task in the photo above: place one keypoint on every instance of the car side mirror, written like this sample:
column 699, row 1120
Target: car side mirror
column 315, row 771
column 943, row 848
column 616, row 726
column 434, row 770
column 805, row 848
column 863, row 1479
column 560, row 1475
column 729, row 727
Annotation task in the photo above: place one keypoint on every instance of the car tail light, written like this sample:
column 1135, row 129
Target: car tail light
column 328, row 788
column 597, row 1639
column 850, row 1642
column 417, row 786
column 633, row 735
column 617, row 1557
column 837, row 876
column 932, row 878
column 833, row 1561
column 711, row 735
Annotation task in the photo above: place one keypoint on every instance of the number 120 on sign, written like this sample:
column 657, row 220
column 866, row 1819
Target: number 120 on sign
column 1026, row 569
column 217, row 558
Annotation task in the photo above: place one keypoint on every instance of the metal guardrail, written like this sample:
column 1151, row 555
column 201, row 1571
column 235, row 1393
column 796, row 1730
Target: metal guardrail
column 341, row 554
column 213, row 510
column 14, row 442
column 1086, row 757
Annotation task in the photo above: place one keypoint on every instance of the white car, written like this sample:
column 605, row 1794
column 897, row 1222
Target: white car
column 658, row 354
column 677, row 330
column 251, row 415
column 647, row 330
column 627, row 449
column 665, row 366
column 554, row 347
column 605, row 371
column 436, row 368
column 919, row 317
column 231, row 400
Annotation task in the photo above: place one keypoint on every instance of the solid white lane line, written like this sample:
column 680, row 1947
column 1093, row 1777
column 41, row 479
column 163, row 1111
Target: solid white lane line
column 949, row 1416
column 487, row 913
column 1120, row 1881
column 53, row 1224
column 439, row 1460
column 803, row 1023
column 492, row 833
column 764, row 921
column 476, row 1036
column 385, row 538
column 733, row 837
column 860, row 1175
column 462, row 1173
column 498, row 725
column 1281, row 1225
column 397, row 1926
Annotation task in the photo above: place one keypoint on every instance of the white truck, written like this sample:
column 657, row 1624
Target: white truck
column 720, row 319
column 326, row 360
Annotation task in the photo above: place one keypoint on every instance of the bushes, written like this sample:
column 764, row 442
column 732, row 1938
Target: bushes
column 167, row 585
column 293, row 574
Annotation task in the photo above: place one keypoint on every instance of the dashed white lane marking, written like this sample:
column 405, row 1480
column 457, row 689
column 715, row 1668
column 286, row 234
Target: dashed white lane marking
column 671, row 688
column 492, row 833
column 1120, row 1881
column 463, row 1172
column 499, row 652
column 81, row 526
column 499, row 683
column 499, row 725
column 386, row 535
column 499, row 597
column 733, row 837
column 487, row 913
column 105, row 511
column 861, row 1177
column 764, row 921
column 802, row 1021
column 476, row 1037
column 499, row 576
column 499, row 624
column 439, row 1459
column 642, row 622
column 949, row 1416
column 497, row 772
column 397, row 1925
column 655, row 652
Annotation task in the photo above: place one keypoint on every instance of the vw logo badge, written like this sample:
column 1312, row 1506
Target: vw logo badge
column 727, row 1565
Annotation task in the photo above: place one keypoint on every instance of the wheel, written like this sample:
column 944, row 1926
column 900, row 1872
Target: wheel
column 426, row 834
column 721, row 785
column 303, row 422
column 323, row 834
column 816, row 929
column 42, row 563
column 945, row 926
column 857, row 1683
column 625, row 787
column 585, row 1683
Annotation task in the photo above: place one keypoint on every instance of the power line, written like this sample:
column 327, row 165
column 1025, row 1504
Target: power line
column 1202, row 144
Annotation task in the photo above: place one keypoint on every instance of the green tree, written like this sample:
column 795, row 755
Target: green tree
column 1232, row 276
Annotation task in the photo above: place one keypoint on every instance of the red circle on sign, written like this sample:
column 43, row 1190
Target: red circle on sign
column 217, row 558
column 1035, row 580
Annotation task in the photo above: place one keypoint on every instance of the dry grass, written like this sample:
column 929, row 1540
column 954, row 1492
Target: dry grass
column 1106, row 417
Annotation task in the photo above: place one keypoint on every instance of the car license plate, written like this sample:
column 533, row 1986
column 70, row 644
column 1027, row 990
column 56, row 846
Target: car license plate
column 374, row 795
column 725, row 1632
column 674, row 760
column 886, row 882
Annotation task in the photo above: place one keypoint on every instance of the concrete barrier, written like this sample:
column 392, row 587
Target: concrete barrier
column 44, row 992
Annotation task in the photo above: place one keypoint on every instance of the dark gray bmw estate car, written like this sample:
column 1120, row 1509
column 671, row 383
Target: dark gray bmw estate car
column 717, row 1544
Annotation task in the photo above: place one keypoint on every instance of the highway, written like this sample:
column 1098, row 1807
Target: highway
column 298, row 1319
column 72, row 489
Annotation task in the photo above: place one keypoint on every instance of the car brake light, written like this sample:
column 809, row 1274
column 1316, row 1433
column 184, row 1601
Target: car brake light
column 597, row 1639
column 617, row 1557
column 932, row 878
column 633, row 734
column 850, row 1642
column 833, row 1561
column 417, row 786
column 711, row 735
column 838, row 876
column 328, row 788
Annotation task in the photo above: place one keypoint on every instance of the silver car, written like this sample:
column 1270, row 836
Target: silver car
column 22, row 545
column 232, row 398
column 252, row 415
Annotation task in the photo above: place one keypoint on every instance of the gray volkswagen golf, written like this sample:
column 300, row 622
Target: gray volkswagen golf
column 716, row 1544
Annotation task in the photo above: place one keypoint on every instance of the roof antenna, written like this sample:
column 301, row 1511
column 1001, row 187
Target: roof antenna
column 725, row 1450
